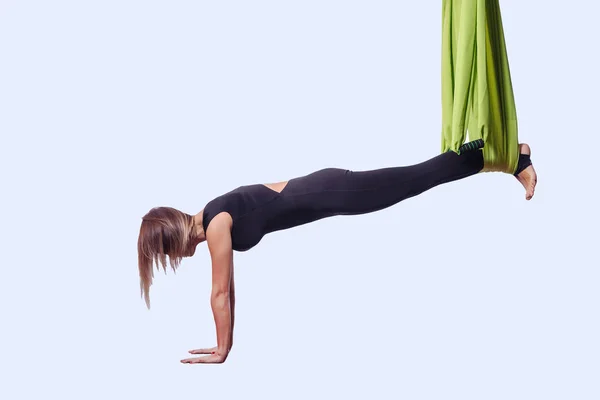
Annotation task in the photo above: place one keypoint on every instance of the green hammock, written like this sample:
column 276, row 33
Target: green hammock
column 477, row 92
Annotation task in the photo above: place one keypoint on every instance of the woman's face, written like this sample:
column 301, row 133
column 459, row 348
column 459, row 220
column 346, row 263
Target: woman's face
column 191, row 250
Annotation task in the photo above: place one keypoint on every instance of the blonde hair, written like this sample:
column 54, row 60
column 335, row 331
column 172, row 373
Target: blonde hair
column 164, row 232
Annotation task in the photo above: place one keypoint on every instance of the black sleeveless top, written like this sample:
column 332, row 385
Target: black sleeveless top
column 255, row 209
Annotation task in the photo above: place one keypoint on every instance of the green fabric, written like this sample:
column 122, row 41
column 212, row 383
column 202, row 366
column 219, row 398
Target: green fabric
column 477, row 92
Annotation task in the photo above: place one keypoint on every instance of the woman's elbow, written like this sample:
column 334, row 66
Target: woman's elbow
column 220, row 297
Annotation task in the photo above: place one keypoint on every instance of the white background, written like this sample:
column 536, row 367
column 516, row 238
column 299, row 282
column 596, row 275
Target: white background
column 109, row 108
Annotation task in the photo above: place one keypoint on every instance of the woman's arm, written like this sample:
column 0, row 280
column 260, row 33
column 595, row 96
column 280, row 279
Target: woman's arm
column 220, row 298
column 218, row 238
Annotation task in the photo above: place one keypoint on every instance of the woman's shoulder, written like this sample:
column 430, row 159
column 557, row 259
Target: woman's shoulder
column 235, row 203
column 220, row 208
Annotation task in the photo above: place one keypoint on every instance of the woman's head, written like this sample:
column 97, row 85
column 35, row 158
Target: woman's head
column 164, row 232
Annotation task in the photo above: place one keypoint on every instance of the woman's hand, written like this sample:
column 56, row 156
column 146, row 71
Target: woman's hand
column 213, row 357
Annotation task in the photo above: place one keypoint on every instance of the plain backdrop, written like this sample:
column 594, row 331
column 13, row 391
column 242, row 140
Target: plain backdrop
column 109, row 108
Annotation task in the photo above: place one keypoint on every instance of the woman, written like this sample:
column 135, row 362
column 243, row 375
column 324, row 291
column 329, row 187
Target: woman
column 237, row 220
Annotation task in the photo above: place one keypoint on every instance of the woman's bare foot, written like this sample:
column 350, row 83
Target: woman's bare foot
column 527, row 177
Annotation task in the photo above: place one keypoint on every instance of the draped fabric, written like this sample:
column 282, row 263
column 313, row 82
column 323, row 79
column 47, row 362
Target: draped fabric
column 477, row 93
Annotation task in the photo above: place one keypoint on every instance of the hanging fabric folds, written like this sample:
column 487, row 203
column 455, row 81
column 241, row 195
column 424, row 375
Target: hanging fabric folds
column 477, row 93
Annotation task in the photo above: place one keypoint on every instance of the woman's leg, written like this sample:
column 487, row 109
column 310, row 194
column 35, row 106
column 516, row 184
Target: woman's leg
column 335, row 191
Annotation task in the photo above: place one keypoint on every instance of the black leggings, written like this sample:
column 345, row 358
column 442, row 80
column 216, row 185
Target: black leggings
column 335, row 191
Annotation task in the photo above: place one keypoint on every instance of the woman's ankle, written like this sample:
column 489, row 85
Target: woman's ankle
column 524, row 149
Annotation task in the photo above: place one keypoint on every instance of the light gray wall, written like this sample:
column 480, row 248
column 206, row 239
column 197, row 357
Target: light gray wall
column 108, row 108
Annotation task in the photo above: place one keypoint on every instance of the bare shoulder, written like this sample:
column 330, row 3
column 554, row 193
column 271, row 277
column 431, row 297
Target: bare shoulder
column 218, row 234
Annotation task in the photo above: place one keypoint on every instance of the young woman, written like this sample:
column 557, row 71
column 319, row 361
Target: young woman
column 237, row 220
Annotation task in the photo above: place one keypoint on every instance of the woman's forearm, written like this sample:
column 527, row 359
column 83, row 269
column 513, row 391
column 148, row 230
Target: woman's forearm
column 221, row 307
column 232, row 304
